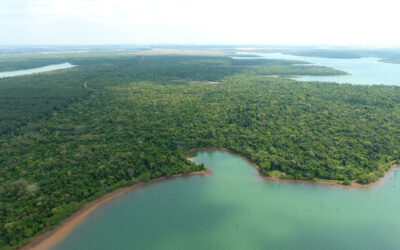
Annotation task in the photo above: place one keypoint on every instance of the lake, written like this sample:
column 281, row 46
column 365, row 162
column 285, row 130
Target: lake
column 36, row 70
column 235, row 208
column 367, row 70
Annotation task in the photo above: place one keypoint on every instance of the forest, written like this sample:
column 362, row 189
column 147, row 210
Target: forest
column 70, row 136
column 389, row 55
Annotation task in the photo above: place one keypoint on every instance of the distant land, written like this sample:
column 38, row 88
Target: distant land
column 127, row 114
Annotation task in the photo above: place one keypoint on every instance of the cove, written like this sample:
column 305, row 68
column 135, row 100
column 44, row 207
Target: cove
column 367, row 70
column 36, row 70
column 235, row 208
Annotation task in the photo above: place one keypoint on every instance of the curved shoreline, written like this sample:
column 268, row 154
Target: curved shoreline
column 50, row 238
column 353, row 185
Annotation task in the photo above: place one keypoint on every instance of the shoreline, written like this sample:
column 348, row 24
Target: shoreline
column 352, row 186
column 50, row 238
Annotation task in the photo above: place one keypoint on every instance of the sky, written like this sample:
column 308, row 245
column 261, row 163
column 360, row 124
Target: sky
column 278, row 22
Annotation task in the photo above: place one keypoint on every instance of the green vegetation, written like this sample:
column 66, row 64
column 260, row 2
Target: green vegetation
column 328, row 53
column 26, row 99
column 244, row 55
column 63, row 144
column 392, row 60
column 387, row 55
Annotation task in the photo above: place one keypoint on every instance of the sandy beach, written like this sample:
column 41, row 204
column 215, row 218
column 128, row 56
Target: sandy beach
column 49, row 239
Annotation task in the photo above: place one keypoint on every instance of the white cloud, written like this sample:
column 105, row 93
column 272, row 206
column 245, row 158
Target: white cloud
column 200, row 21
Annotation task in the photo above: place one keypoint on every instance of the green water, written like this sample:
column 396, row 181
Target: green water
column 236, row 209
column 366, row 70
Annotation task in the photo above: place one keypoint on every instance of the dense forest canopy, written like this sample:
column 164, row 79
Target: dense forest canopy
column 27, row 98
column 72, row 135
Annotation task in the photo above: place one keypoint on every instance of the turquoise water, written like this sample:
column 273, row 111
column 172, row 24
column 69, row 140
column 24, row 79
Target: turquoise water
column 367, row 70
column 236, row 209
column 36, row 70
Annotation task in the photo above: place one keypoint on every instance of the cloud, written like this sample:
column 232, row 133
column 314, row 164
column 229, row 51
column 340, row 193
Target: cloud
column 200, row 21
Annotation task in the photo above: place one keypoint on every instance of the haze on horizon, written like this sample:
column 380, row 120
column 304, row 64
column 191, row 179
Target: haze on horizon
column 284, row 22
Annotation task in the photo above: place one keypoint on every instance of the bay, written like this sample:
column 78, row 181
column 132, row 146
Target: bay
column 235, row 208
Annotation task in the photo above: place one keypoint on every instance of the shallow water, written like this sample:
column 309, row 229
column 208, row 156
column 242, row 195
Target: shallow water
column 367, row 70
column 236, row 209
column 36, row 70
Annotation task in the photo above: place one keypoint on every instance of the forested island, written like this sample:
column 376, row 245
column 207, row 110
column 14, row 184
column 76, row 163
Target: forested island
column 70, row 136
column 390, row 55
